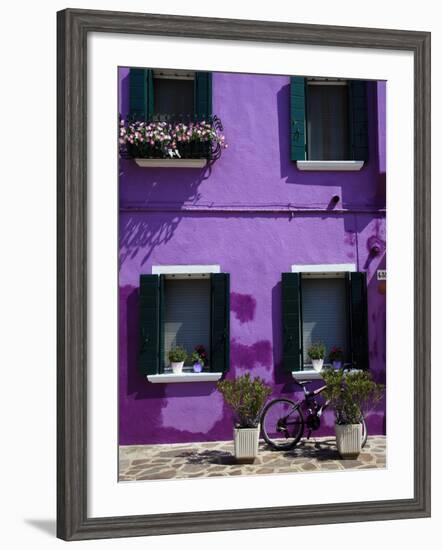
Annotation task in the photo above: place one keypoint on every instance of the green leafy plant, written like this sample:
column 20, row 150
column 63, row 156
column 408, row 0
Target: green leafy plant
column 336, row 354
column 316, row 351
column 246, row 397
column 177, row 354
column 351, row 393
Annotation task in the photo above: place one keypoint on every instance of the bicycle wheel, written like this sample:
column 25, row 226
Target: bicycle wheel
column 282, row 424
column 364, row 432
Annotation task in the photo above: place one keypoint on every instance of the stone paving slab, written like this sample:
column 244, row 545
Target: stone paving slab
column 182, row 461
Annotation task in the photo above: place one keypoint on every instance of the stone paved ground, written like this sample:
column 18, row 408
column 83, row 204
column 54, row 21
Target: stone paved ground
column 141, row 462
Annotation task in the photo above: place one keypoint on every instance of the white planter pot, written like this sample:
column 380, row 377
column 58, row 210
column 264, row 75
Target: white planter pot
column 246, row 443
column 317, row 364
column 348, row 439
column 177, row 368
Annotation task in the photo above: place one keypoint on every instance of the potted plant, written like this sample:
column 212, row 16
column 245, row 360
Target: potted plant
column 316, row 352
column 336, row 357
column 246, row 397
column 198, row 358
column 350, row 394
column 177, row 356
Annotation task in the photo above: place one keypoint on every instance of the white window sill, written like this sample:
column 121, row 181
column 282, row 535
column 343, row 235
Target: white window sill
column 307, row 375
column 184, row 377
column 171, row 163
column 330, row 165
column 310, row 374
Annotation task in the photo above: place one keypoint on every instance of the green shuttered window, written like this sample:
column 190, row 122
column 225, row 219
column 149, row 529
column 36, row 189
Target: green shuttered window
column 328, row 121
column 148, row 360
column 203, row 94
column 185, row 312
column 220, row 322
column 144, row 104
column 141, row 100
column 291, row 321
column 186, row 315
column 331, row 310
column 298, row 133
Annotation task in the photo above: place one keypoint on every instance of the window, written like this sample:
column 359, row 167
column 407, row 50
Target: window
column 186, row 315
column 327, row 307
column 324, row 314
column 187, row 310
column 163, row 93
column 173, row 93
column 329, row 119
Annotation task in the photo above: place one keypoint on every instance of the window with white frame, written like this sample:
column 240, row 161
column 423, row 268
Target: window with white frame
column 328, row 119
column 186, row 316
column 328, row 307
column 324, row 314
column 187, row 309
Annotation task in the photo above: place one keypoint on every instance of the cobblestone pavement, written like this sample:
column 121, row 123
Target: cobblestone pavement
column 142, row 462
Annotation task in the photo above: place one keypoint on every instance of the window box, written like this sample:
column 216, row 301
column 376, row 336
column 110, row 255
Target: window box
column 171, row 139
column 155, row 131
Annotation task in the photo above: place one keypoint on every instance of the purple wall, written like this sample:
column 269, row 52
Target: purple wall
column 237, row 214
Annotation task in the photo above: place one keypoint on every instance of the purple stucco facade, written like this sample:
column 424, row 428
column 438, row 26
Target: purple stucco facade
column 254, row 214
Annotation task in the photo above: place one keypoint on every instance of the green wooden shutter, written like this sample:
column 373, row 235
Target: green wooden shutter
column 141, row 93
column 220, row 322
column 149, row 324
column 292, row 322
column 358, row 116
column 357, row 299
column 161, row 318
column 298, row 134
column 203, row 95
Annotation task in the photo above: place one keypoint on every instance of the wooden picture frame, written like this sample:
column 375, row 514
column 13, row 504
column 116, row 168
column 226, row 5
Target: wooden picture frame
column 73, row 28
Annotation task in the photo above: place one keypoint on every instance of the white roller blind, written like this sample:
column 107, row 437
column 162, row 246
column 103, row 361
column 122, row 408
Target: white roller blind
column 324, row 314
column 186, row 314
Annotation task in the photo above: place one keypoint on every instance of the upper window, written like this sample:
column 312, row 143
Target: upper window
column 324, row 307
column 158, row 94
column 329, row 119
column 173, row 93
column 186, row 310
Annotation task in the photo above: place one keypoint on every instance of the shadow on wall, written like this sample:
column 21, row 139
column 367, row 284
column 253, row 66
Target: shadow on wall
column 140, row 188
column 149, row 420
column 137, row 385
column 152, row 188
